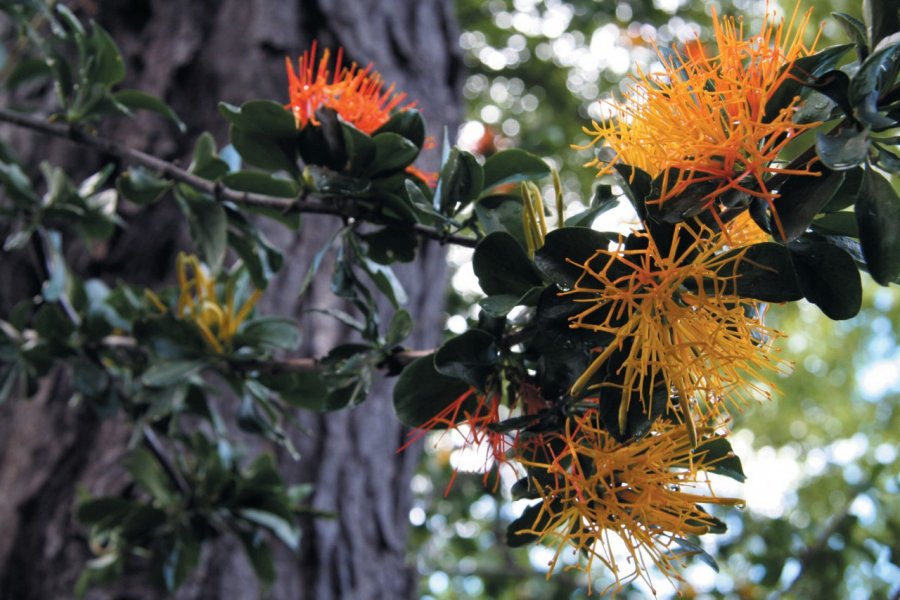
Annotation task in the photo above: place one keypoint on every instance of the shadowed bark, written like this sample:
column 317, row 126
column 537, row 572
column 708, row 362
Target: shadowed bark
column 194, row 54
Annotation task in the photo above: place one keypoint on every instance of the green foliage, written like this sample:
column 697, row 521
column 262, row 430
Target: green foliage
column 539, row 363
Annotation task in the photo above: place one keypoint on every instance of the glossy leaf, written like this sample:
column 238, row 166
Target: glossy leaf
column 802, row 198
column 878, row 217
column 502, row 267
column 140, row 186
column 422, row 392
column 563, row 247
column 512, row 166
column 460, row 182
column 828, row 278
column 471, row 356
column 843, row 148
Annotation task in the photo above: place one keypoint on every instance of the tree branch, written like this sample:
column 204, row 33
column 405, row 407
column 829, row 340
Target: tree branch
column 303, row 204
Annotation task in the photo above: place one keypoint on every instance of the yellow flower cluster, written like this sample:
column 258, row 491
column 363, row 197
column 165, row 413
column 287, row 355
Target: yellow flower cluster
column 599, row 495
column 702, row 120
column 200, row 303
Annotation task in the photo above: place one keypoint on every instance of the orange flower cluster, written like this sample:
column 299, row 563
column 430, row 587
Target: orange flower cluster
column 703, row 119
column 355, row 94
column 599, row 495
column 674, row 314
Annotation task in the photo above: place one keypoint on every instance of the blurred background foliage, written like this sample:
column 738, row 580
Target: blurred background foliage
column 822, row 518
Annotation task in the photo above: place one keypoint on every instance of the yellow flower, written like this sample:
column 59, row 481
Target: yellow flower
column 599, row 494
column 702, row 120
column 199, row 303
column 674, row 320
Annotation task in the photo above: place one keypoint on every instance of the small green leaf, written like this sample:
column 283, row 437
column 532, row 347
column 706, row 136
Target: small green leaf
column 103, row 512
column 533, row 518
column 717, row 455
column 502, row 267
column 285, row 531
column 278, row 333
column 165, row 373
column 878, row 217
column 136, row 99
column 460, row 182
column 513, row 166
column 148, row 473
column 400, row 327
column 262, row 183
column 501, row 213
column 209, row 229
column 260, row 556
column 107, row 66
column 140, row 186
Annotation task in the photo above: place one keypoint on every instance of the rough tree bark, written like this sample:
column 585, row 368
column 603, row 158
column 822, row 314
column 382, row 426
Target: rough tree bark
column 194, row 54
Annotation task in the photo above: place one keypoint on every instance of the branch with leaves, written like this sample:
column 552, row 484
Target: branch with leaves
column 603, row 366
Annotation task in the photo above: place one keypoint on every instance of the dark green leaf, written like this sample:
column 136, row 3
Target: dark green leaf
column 855, row 30
column 206, row 162
column 575, row 244
column 263, row 151
column 136, row 99
column 265, row 117
column 837, row 223
column 27, row 69
column 107, row 66
column 422, row 392
column 165, row 373
column 278, row 333
column 393, row 152
column 882, row 18
column 717, row 456
column 828, row 277
column 148, row 473
column 513, row 166
column 502, row 267
column 501, row 213
column 260, row 556
column 399, row 329
column 766, row 273
column 140, row 186
column 874, row 74
column 471, row 356
column 460, row 182
column 843, row 148
column 408, row 123
column 389, row 245
column 103, row 512
column 262, row 183
column 802, row 69
column 878, row 217
column 209, row 230
column 801, row 199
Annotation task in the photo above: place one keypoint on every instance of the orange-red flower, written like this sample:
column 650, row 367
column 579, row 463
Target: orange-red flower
column 702, row 120
column 599, row 494
column 357, row 95
column 474, row 415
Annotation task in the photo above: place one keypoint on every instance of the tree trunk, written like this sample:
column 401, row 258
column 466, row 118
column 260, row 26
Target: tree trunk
column 194, row 54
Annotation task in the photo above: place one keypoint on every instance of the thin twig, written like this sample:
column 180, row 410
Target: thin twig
column 302, row 204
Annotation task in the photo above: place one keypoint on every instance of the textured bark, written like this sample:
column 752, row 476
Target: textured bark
column 194, row 54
